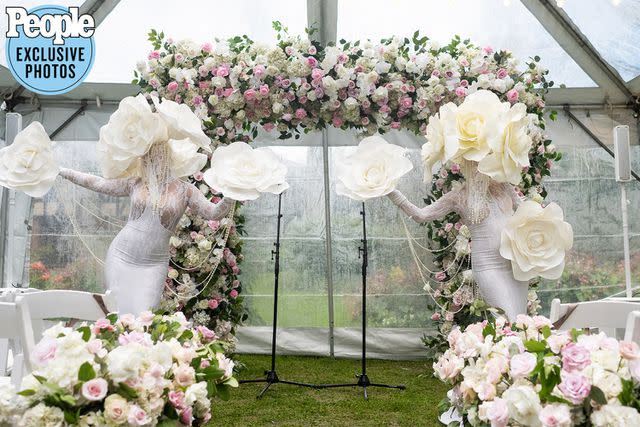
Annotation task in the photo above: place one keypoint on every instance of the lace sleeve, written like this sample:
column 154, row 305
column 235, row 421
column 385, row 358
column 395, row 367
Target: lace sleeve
column 206, row 209
column 435, row 210
column 113, row 187
column 514, row 195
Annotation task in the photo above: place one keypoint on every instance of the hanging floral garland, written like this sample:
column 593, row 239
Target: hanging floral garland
column 238, row 86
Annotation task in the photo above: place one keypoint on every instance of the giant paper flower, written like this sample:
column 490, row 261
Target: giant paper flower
column 181, row 122
column 185, row 159
column 373, row 170
column 433, row 150
column 28, row 164
column 535, row 239
column 510, row 148
column 242, row 173
column 468, row 128
column 131, row 131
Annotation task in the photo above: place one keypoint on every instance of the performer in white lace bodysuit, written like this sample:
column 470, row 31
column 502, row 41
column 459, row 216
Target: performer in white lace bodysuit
column 484, row 206
column 138, row 258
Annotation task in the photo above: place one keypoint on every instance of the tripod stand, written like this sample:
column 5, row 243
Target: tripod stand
column 363, row 378
column 271, row 376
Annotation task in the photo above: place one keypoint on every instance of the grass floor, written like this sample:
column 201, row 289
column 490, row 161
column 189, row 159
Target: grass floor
column 285, row 405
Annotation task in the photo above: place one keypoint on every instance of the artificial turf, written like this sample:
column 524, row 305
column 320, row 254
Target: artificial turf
column 286, row 405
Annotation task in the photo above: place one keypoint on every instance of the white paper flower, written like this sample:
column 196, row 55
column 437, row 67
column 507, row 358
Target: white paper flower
column 28, row 164
column 535, row 239
column 510, row 148
column 181, row 122
column 373, row 170
column 185, row 159
column 468, row 128
column 131, row 131
column 242, row 173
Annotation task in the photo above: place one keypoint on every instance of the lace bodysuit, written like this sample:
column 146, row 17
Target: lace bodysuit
column 138, row 257
column 491, row 271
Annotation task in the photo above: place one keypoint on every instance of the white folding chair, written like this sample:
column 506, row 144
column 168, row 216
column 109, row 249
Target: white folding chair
column 10, row 347
column 632, row 332
column 606, row 315
column 36, row 308
column 10, row 329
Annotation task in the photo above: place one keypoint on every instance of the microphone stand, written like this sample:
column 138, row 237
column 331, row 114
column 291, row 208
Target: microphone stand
column 363, row 378
column 271, row 376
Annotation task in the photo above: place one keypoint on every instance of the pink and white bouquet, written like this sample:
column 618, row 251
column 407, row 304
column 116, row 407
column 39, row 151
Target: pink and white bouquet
column 126, row 371
column 525, row 373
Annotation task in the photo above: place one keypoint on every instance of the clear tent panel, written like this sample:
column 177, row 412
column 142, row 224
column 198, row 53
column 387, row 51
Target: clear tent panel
column 119, row 51
column 612, row 28
column 487, row 23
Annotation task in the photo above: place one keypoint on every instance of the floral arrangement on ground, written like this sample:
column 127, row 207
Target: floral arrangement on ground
column 122, row 371
column 240, row 88
column 528, row 374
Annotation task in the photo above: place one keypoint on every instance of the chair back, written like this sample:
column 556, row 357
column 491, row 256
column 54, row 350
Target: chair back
column 605, row 315
column 35, row 309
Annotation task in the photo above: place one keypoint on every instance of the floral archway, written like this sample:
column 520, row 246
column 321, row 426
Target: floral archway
column 298, row 86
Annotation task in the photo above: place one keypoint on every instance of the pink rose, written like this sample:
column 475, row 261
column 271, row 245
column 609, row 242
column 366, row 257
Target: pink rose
column 269, row 126
column 101, row 325
column 574, row 386
column 95, row 347
column 461, row 92
column 137, row 416
column 502, row 73
column 312, row 62
column 207, row 47
column 555, row 415
column 259, row 71
column 575, row 357
column 436, row 316
column 634, row 368
column 95, row 389
column 213, row 224
column 136, row 338
column 448, row 316
column 193, row 235
column 513, row 95
column 206, row 333
column 172, row 86
column 235, row 269
column 541, row 321
column 186, row 417
column 176, row 398
column 250, row 94
column 496, row 412
column 406, row 102
column 220, row 131
column 146, row 317
column 337, row 121
column 522, row 365
column 44, row 352
column 301, row 113
column 455, row 168
column 154, row 54
column 440, row 276
column 448, row 226
column 223, row 70
column 558, row 340
column 317, row 74
column 213, row 304
column 395, row 125
column 264, row 90
column 233, row 294
column 488, row 50
column 198, row 176
column 629, row 350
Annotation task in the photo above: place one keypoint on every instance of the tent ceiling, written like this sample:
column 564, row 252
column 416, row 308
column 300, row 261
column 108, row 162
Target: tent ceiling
column 570, row 48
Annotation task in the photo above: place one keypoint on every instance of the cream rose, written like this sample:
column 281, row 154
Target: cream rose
column 242, row 173
column 536, row 239
column 131, row 131
column 185, row 159
column 181, row 122
column 510, row 149
column 28, row 164
column 470, row 127
column 373, row 170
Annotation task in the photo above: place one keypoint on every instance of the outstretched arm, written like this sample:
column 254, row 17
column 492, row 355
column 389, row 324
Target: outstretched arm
column 435, row 210
column 113, row 187
column 206, row 209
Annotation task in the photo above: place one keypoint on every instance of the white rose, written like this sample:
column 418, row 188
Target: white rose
column 510, row 149
column 125, row 362
column 204, row 245
column 181, row 122
column 42, row 415
column 185, row 159
column 196, row 393
column 524, row 404
column 615, row 416
column 373, row 170
column 175, row 242
column 28, row 164
column 225, row 364
column 131, row 131
column 242, row 173
column 468, row 128
column 448, row 366
column 535, row 239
